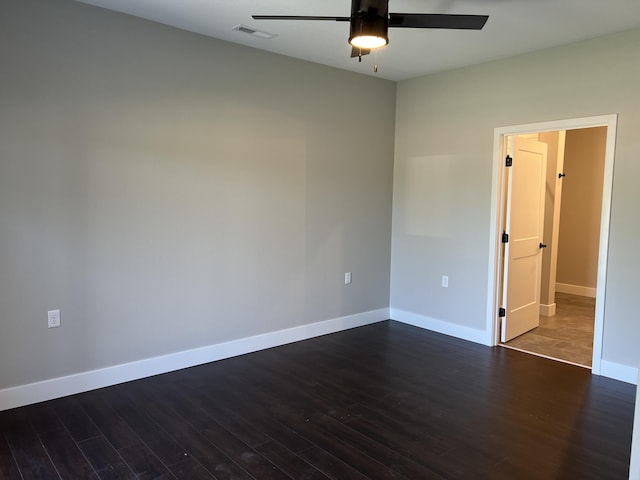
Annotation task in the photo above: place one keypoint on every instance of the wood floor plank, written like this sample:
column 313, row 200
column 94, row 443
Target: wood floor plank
column 204, row 410
column 221, row 441
column 44, row 419
column 245, row 456
column 144, row 463
column 370, row 446
column 331, row 466
column 8, row 467
column 211, row 456
column 191, row 469
column 110, row 424
column 166, row 448
column 74, row 418
column 32, row 460
column 65, row 454
column 105, row 459
column 289, row 462
column 368, row 465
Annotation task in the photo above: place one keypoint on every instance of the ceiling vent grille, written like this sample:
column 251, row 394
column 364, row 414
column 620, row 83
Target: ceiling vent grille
column 254, row 32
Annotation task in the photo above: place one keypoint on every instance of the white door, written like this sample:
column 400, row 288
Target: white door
column 524, row 225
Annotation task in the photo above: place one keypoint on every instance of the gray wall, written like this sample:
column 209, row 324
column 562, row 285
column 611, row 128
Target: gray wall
column 581, row 207
column 444, row 146
column 169, row 191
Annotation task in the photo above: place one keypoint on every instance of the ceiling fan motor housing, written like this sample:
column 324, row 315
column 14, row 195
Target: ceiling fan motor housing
column 374, row 8
column 369, row 18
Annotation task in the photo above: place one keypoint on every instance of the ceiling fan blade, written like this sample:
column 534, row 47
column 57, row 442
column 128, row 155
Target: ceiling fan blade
column 356, row 52
column 436, row 20
column 298, row 17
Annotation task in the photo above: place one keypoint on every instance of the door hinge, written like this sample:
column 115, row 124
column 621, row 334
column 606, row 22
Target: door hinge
column 505, row 237
column 502, row 312
column 509, row 161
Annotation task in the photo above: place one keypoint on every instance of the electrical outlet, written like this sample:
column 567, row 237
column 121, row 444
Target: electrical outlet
column 347, row 278
column 53, row 318
column 445, row 281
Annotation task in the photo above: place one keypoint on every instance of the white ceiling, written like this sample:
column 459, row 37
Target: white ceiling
column 514, row 26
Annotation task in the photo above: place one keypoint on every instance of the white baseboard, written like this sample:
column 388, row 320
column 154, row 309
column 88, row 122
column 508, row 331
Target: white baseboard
column 440, row 326
column 548, row 310
column 104, row 377
column 617, row 371
column 576, row 290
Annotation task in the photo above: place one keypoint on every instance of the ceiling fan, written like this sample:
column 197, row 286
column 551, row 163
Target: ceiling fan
column 370, row 20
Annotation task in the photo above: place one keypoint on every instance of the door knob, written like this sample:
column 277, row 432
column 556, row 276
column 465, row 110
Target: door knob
column 543, row 245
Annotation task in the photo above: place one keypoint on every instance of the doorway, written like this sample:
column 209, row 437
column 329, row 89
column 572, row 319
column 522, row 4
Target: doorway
column 571, row 227
column 500, row 201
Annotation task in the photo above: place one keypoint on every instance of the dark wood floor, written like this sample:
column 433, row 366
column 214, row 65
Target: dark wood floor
column 385, row 401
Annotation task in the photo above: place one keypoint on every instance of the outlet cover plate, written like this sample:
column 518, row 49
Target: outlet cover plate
column 53, row 318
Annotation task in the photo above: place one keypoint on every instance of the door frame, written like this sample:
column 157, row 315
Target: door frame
column 497, row 222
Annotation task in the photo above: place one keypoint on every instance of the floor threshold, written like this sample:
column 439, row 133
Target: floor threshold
column 544, row 356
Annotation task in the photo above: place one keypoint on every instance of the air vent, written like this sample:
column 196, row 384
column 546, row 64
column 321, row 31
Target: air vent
column 254, row 32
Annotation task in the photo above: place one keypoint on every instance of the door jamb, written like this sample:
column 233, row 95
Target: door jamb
column 497, row 206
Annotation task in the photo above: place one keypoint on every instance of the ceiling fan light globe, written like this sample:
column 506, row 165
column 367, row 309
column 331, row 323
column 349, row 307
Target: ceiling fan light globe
column 369, row 42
